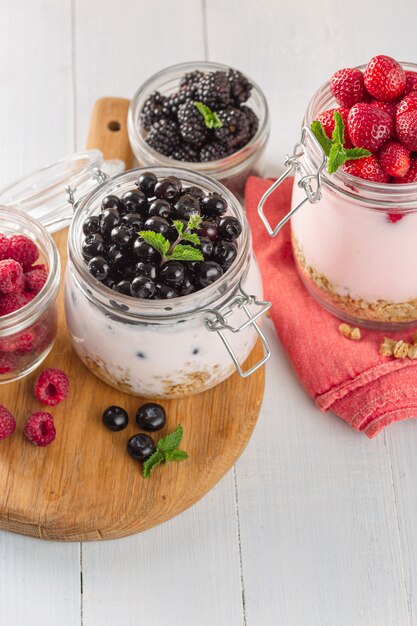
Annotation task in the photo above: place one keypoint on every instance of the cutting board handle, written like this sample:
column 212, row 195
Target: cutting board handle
column 108, row 130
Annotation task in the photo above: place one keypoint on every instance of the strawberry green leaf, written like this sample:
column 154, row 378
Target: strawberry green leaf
column 336, row 158
column 338, row 135
column 356, row 153
column 318, row 131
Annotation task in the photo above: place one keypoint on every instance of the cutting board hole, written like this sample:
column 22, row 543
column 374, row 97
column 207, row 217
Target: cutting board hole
column 114, row 126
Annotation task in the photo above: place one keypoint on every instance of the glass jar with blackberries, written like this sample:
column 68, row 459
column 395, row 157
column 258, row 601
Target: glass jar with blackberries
column 163, row 294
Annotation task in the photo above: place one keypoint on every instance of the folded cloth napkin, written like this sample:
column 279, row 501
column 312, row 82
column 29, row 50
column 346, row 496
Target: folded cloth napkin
column 347, row 377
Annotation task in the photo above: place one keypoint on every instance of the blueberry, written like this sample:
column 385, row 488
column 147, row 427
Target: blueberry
column 115, row 418
column 146, row 269
column 160, row 208
column 135, row 202
column 91, row 225
column 121, row 236
column 229, row 228
column 164, row 292
column 99, row 268
column 144, row 251
column 93, row 245
column 109, row 218
column 133, row 221
column 168, row 188
column 117, row 258
column 141, row 447
column 208, row 273
column 111, row 202
column 151, row 416
column 213, row 204
column 187, row 286
column 172, row 273
column 208, row 229
column 157, row 225
column 224, row 253
column 205, row 246
column 146, row 183
column 186, row 206
column 197, row 192
column 123, row 287
column 142, row 287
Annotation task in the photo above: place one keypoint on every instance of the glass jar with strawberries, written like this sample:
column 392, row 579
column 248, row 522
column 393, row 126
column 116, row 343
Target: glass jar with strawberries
column 29, row 283
column 357, row 161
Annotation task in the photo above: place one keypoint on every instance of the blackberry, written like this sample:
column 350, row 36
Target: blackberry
column 213, row 151
column 164, row 137
column 214, row 90
column 192, row 127
column 240, row 87
column 176, row 99
column 185, row 152
column 235, row 131
column 252, row 118
column 154, row 109
column 190, row 80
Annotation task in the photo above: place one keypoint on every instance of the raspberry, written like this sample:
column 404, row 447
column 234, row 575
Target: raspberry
column 394, row 159
column 367, row 168
column 51, row 387
column 384, row 78
column 411, row 176
column 411, row 82
column 7, row 423
column 9, row 303
column 347, row 87
column 23, row 250
column 326, row 118
column 406, row 128
column 4, row 247
column 35, row 278
column 368, row 126
column 40, row 429
column 8, row 362
column 11, row 277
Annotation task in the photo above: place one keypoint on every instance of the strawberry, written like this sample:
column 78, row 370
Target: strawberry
column 367, row 168
column 394, row 159
column 327, row 119
column 409, row 103
column 388, row 107
column 411, row 176
column 406, row 129
column 368, row 126
column 411, row 82
column 394, row 217
column 384, row 78
column 347, row 87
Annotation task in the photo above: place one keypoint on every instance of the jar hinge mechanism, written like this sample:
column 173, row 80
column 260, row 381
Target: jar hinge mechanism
column 98, row 175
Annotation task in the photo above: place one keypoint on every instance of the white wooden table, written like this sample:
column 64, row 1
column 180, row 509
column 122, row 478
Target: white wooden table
column 316, row 525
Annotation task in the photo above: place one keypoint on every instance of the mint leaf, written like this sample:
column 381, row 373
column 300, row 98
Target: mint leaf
column 156, row 240
column 194, row 222
column 179, row 226
column 185, row 253
column 191, row 237
column 356, row 153
column 338, row 135
column 336, row 158
column 211, row 119
column 318, row 131
column 171, row 441
column 176, row 455
column 154, row 460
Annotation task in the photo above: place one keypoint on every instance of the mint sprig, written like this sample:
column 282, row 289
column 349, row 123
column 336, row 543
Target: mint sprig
column 177, row 251
column 211, row 119
column 166, row 450
column 334, row 148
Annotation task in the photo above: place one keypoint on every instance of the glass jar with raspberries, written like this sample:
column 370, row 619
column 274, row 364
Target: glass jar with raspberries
column 205, row 116
column 29, row 283
column 163, row 294
column 357, row 160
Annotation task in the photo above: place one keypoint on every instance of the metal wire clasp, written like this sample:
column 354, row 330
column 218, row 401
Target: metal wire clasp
column 218, row 323
column 311, row 183
column 98, row 175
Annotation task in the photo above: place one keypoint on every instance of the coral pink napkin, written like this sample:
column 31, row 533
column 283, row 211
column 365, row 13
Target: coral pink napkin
column 347, row 377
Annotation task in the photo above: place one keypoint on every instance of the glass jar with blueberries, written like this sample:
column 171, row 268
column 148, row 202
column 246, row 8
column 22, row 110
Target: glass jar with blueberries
column 163, row 294
column 204, row 116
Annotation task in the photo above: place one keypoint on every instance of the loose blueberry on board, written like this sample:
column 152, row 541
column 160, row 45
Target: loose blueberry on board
column 151, row 416
column 141, row 447
column 115, row 418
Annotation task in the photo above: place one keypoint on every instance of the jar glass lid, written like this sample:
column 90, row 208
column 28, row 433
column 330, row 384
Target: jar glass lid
column 44, row 194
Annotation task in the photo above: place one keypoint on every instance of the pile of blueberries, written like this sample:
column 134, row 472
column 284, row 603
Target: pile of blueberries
column 122, row 260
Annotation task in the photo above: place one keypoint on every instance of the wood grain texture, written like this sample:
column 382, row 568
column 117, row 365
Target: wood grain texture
column 85, row 486
column 108, row 129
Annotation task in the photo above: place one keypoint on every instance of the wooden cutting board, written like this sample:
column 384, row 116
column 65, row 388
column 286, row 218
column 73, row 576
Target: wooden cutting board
column 84, row 486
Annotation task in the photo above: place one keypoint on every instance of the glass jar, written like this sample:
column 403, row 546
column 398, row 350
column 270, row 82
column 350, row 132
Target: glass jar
column 27, row 335
column 233, row 170
column 164, row 348
column 355, row 251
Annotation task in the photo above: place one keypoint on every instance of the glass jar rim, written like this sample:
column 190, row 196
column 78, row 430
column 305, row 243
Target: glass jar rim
column 136, row 308
column 28, row 314
column 402, row 196
column 224, row 166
